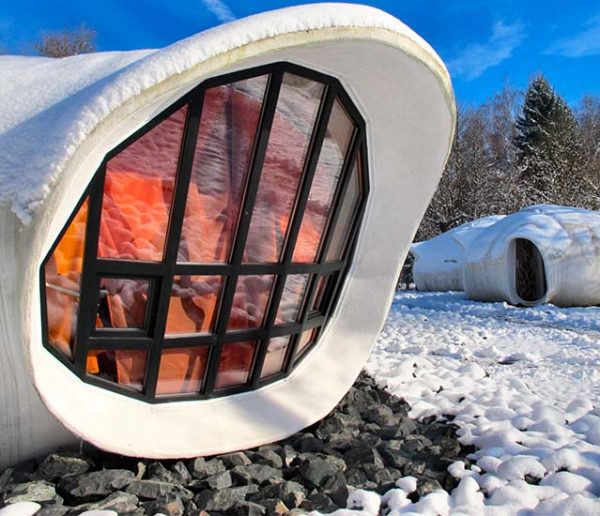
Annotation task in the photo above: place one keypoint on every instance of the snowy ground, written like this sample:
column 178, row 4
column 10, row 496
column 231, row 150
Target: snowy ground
column 520, row 383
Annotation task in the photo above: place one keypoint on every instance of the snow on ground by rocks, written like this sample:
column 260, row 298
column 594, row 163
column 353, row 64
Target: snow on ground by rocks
column 522, row 385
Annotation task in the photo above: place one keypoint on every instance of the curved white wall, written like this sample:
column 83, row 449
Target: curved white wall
column 405, row 99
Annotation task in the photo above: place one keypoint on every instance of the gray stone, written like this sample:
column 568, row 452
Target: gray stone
column 53, row 510
column 231, row 460
column 386, row 476
column 279, row 491
column 406, row 427
column 141, row 470
column 308, row 443
column 60, row 465
column 153, row 489
column 288, row 454
column 182, row 473
column 393, row 455
column 316, row 470
column 218, row 481
column 156, row 471
column 294, row 499
column 372, row 428
column 274, row 506
column 268, row 456
column 363, row 456
column 426, row 486
column 381, row 415
column 36, row 491
column 224, row 499
column 319, row 502
column 248, row 509
column 414, row 469
column 119, row 501
column 202, row 468
column 415, row 443
column 96, row 484
column 336, row 488
column 171, row 505
column 255, row 473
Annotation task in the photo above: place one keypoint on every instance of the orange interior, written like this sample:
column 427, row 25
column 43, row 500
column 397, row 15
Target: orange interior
column 135, row 216
column 63, row 277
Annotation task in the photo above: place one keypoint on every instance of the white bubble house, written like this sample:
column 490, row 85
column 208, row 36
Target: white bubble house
column 199, row 244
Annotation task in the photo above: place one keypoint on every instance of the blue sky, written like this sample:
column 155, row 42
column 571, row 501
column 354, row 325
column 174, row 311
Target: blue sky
column 484, row 43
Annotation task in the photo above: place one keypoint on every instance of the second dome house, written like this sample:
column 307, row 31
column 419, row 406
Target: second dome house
column 202, row 242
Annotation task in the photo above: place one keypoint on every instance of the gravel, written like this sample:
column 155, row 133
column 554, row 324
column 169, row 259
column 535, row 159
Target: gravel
column 368, row 442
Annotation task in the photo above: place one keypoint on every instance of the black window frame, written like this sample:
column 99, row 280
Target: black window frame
column 162, row 273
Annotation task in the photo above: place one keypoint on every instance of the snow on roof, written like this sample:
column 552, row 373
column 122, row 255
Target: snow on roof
column 554, row 229
column 49, row 106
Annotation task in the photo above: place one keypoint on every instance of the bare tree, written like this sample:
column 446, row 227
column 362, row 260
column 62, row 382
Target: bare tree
column 468, row 188
column 81, row 40
column 588, row 116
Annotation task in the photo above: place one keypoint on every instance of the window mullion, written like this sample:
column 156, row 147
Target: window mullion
column 88, row 300
column 165, row 284
column 310, row 167
column 258, row 158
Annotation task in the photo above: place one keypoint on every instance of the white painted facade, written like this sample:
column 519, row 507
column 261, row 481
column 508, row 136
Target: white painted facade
column 402, row 90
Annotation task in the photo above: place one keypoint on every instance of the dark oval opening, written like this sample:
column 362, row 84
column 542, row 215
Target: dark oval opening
column 530, row 274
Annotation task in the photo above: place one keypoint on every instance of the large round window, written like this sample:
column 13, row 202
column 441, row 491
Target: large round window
column 207, row 253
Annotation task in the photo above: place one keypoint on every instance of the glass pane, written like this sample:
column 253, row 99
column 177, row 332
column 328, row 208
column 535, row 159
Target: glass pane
column 235, row 364
column 126, row 367
column 122, row 303
column 320, row 293
column 306, row 339
column 181, row 370
column 327, row 175
column 194, row 304
column 293, row 125
column 138, row 191
column 250, row 302
column 230, row 117
column 291, row 298
column 62, row 275
column 275, row 357
column 345, row 220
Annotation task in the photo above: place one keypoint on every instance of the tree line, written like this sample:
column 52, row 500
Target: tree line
column 516, row 150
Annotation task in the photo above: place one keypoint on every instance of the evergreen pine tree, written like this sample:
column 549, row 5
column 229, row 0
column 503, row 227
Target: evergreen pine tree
column 550, row 153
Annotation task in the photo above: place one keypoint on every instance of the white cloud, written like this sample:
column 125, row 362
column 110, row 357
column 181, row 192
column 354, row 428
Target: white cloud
column 220, row 9
column 586, row 43
column 478, row 57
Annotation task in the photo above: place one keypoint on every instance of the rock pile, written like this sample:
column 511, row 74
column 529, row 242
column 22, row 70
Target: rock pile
column 368, row 442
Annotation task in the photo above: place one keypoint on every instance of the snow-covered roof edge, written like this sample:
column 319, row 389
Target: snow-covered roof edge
column 37, row 149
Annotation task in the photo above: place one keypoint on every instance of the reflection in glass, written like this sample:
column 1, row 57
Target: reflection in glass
column 62, row 274
column 290, row 136
column 193, row 305
column 292, row 298
column 122, row 303
column 228, row 125
column 322, row 286
column 181, row 370
column 344, row 222
column 138, row 190
column 329, row 167
column 275, row 357
column 235, row 363
column 250, row 301
column 306, row 339
column 125, row 367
